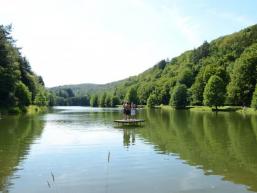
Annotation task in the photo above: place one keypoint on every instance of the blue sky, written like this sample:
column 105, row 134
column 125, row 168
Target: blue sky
column 99, row 41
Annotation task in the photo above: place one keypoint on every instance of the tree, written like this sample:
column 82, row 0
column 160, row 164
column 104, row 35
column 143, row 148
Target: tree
column 178, row 97
column 151, row 101
column 94, row 101
column 165, row 94
column 9, row 67
column 214, row 92
column 102, row 100
column 131, row 95
column 254, row 99
column 23, row 95
column 243, row 79
column 115, row 101
column 186, row 77
column 143, row 92
column 197, row 89
column 41, row 98
column 201, row 52
column 52, row 99
column 108, row 101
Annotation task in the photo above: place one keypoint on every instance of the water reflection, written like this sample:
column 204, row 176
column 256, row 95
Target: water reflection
column 221, row 144
column 17, row 133
column 129, row 137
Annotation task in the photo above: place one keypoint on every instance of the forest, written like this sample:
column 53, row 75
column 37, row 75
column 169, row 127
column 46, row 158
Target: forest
column 20, row 87
column 217, row 73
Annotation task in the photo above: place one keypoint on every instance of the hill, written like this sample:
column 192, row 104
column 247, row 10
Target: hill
column 232, row 59
column 87, row 88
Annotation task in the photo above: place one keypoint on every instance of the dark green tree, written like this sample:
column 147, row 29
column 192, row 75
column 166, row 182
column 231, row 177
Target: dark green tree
column 9, row 67
column 143, row 92
column 41, row 98
column 254, row 99
column 52, row 99
column 178, row 97
column 131, row 95
column 186, row 77
column 23, row 95
column 108, row 101
column 197, row 91
column 151, row 101
column 243, row 79
column 94, row 101
column 214, row 92
column 115, row 101
column 102, row 100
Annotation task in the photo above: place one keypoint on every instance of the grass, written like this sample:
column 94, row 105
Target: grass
column 237, row 109
column 250, row 111
column 30, row 110
column 33, row 109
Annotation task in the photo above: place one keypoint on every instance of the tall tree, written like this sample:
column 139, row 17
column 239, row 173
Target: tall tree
column 214, row 92
column 102, row 100
column 178, row 97
column 131, row 95
column 151, row 101
column 254, row 99
column 23, row 95
column 94, row 101
column 9, row 67
column 243, row 79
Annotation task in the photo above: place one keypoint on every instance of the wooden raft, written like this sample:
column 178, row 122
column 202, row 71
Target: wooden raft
column 129, row 121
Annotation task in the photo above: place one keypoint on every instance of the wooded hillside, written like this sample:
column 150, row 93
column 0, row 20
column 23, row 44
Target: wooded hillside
column 231, row 59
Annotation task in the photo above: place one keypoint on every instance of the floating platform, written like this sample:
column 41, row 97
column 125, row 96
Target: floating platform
column 130, row 121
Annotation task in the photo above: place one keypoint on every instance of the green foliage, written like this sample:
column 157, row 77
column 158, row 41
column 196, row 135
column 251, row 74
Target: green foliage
column 254, row 99
column 19, row 85
column 108, row 101
column 131, row 95
column 115, row 101
column 102, row 100
column 201, row 52
column 41, row 98
column 94, row 101
column 151, row 101
column 179, row 96
column 185, row 76
column 197, row 90
column 51, row 99
column 232, row 58
column 243, row 79
column 214, row 92
column 143, row 92
column 9, row 67
column 23, row 95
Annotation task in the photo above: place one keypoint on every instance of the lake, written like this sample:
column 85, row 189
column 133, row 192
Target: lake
column 80, row 149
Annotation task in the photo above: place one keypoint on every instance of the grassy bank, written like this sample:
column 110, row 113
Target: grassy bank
column 32, row 109
column 237, row 109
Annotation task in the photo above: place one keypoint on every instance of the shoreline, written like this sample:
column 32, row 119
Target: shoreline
column 30, row 110
column 237, row 109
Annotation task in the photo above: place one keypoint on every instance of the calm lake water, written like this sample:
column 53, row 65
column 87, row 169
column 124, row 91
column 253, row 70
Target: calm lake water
column 79, row 149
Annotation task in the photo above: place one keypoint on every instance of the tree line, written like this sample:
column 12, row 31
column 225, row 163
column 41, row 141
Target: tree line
column 19, row 85
column 217, row 73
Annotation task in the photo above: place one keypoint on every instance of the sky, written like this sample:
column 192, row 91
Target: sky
column 100, row 41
